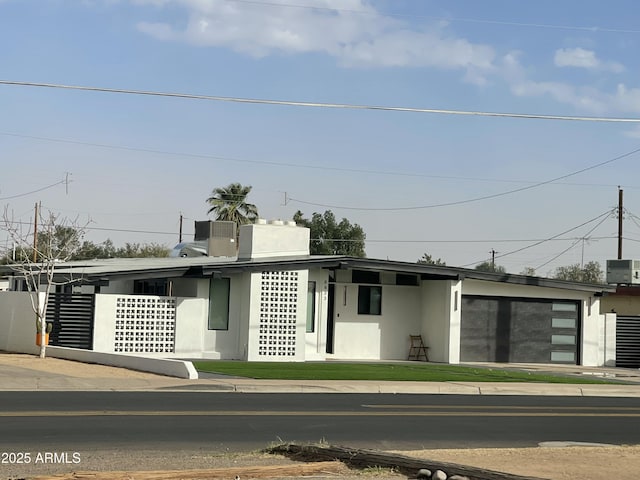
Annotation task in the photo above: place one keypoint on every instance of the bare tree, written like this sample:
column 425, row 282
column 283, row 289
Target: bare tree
column 38, row 250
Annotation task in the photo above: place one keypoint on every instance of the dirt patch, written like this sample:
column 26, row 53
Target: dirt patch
column 71, row 368
column 568, row 463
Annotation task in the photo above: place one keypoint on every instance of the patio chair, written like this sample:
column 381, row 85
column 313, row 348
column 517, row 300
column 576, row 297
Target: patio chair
column 418, row 350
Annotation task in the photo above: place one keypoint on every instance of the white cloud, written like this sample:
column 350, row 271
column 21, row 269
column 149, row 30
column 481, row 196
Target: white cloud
column 366, row 39
column 581, row 58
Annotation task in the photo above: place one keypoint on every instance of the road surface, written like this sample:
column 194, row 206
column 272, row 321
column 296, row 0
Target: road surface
column 41, row 421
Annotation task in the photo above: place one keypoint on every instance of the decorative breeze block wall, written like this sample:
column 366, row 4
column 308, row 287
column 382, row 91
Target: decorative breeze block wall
column 278, row 314
column 145, row 324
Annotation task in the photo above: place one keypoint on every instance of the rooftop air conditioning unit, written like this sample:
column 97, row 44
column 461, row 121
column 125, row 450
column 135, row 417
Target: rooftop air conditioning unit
column 623, row 271
column 219, row 236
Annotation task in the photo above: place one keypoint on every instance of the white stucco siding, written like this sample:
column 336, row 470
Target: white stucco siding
column 187, row 287
column 104, row 323
column 593, row 343
column 500, row 289
column 608, row 341
column 440, row 323
column 379, row 337
column 17, row 323
column 225, row 344
column 191, row 326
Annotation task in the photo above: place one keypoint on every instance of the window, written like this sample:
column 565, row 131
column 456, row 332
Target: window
column 219, row 304
column 369, row 300
column 365, row 276
column 564, row 307
column 406, row 279
column 311, row 307
column 563, row 357
column 563, row 339
column 150, row 287
column 563, row 323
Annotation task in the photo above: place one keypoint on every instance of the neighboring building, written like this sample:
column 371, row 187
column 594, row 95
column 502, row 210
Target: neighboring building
column 625, row 304
column 275, row 302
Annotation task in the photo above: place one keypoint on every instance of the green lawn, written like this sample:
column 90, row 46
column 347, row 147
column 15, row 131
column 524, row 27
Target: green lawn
column 420, row 372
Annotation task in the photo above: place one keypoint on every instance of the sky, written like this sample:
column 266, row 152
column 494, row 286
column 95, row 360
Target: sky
column 453, row 186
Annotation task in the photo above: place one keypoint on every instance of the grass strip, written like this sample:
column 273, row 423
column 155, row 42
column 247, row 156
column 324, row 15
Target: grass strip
column 418, row 372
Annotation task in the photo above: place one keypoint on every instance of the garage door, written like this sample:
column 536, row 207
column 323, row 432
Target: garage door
column 499, row 329
column 628, row 342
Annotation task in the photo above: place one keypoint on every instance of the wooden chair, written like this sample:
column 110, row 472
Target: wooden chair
column 417, row 350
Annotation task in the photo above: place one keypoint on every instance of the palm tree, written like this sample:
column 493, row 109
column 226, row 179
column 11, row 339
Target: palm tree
column 229, row 204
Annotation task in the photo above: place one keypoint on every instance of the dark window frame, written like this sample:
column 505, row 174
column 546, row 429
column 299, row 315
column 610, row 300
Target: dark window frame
column 368, row 302
column 210, row 324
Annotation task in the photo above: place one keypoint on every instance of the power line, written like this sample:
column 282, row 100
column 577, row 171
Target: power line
column 62, row 182
column 290, row 164
column 155, row 232
column 605, row 214
column 471, row 200
column 574, row 243
column 554, row 237
column 217, row 98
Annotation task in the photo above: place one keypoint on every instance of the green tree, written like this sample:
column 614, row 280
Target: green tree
column 427, row 259
column 137, row 250
column 230, row 204
column 488, row 267
column 591, row 272
column 329, row 237
column 57, row 240
column 90, row 250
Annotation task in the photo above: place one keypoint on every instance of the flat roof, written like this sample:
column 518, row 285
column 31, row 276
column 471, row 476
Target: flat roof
column 175, row 267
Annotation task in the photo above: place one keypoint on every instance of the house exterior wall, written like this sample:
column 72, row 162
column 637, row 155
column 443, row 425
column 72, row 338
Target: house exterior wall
column 593, row 350
column 608, row 340
column 118, row 286
column 226, row 344
column 628, row 305
column 17, row 323
column 440, row 323
column 376, row 337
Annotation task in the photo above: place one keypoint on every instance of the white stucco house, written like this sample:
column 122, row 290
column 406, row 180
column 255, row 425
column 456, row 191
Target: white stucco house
column 275, row 302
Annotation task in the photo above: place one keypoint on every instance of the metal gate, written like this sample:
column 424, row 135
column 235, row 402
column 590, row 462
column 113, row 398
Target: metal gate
column 72, row 316
column 628, row 342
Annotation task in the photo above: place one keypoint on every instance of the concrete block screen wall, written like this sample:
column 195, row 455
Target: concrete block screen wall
column 277, row 317
column 134, row 324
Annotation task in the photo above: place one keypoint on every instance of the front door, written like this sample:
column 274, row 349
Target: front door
column 330, row 317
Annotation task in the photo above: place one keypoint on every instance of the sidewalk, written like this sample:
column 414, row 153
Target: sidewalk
column 19, row 372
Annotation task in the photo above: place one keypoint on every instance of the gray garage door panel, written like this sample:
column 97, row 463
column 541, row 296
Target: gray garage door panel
column 498, row 329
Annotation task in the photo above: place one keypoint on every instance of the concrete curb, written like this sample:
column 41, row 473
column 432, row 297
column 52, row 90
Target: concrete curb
column 160, row 366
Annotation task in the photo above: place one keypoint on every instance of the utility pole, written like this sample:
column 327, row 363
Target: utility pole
column 35, row 234
column 620, row 210
column 180, row 234
column 493, row 260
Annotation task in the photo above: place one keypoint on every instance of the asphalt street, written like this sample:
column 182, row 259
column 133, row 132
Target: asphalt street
column 242, row 422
